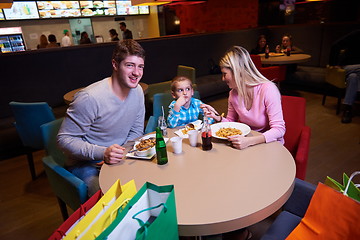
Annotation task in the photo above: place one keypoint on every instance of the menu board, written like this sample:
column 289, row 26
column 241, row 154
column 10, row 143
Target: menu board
column 69, row 9
column 98, row 8
column 2, row 15
column 125, row 8
column 58, row 9
column 144, row 10
column 21, row 10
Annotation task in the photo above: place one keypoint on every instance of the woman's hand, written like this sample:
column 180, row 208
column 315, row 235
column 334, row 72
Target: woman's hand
column 209, row 111
column 241, row 142
column 113, row 154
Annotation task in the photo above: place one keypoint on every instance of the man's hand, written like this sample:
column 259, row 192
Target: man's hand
column 113, row 154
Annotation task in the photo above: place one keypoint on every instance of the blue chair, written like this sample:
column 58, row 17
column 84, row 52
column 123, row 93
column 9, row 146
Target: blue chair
column 293, row 211
column 68, row 189
column 161, row 99
column 28, row 119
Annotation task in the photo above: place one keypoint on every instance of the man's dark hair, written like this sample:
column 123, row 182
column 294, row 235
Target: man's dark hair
column 128, row 47
column 123, row 24
column 52, row 38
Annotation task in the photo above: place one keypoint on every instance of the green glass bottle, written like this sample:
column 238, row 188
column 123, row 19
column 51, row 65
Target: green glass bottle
column 160, row 147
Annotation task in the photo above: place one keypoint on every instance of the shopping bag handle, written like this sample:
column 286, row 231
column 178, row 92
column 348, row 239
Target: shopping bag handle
column 350, row 179
column 119, row 209
column 141, row 222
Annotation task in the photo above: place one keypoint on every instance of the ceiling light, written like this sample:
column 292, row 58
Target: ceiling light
column 148, row 2
column 185, row 2
column 6, row 3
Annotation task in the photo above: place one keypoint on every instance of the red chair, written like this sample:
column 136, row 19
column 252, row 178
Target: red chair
column 297, row 135
column 276, row 74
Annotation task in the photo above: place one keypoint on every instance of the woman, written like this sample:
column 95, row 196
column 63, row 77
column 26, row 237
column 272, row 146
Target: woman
column 286, row 42
column 260, row 46
column 84, row 38
column 43, row 42
column 253, row 100
column 113, row 35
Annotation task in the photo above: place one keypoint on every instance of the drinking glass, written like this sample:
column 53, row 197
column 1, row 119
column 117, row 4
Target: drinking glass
column 193, row 137
column 176, row 144
column 162, row 125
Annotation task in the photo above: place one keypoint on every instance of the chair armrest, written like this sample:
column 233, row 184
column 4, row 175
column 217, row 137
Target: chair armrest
column 302, row 153
column 66, row 186
column 151, row 125
column 300, row 198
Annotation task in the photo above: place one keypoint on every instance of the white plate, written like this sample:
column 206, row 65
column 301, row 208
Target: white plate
column 133, row 154
column 245, row 129
column 197, row 124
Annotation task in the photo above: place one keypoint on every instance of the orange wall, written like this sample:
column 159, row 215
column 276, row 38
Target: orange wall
column 217, row 15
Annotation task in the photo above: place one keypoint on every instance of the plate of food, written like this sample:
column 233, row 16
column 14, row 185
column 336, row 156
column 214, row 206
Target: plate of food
column 224, row 129
column 182, row 132
column 272, row 54
column 144, row 148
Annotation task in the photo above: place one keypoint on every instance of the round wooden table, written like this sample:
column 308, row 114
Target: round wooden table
column 279, row 60
column 69, row 97
column 216, row 191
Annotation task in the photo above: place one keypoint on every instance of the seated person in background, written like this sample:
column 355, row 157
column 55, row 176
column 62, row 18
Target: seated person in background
column 43, row 42
column 253, row 100
column 352, row 87
column 85, row 38
column 286, row 42
column 345, row 54
column 52, row 41
column 260, row 46
column 113, row 35
column 184, row 109
column 104, row 116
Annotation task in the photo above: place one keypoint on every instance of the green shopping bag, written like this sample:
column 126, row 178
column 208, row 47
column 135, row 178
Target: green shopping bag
column 150, row 214
column 353, row 190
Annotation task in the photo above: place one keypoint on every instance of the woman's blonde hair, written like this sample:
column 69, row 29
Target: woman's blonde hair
column 244, row 71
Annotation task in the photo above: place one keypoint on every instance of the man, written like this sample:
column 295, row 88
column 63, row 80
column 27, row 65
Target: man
column 345, row 53
column 66, row 41
column 127, row 34
column 104, row 116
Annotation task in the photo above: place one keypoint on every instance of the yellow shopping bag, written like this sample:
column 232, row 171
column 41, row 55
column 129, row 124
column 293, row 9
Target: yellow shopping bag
column 103, row 213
